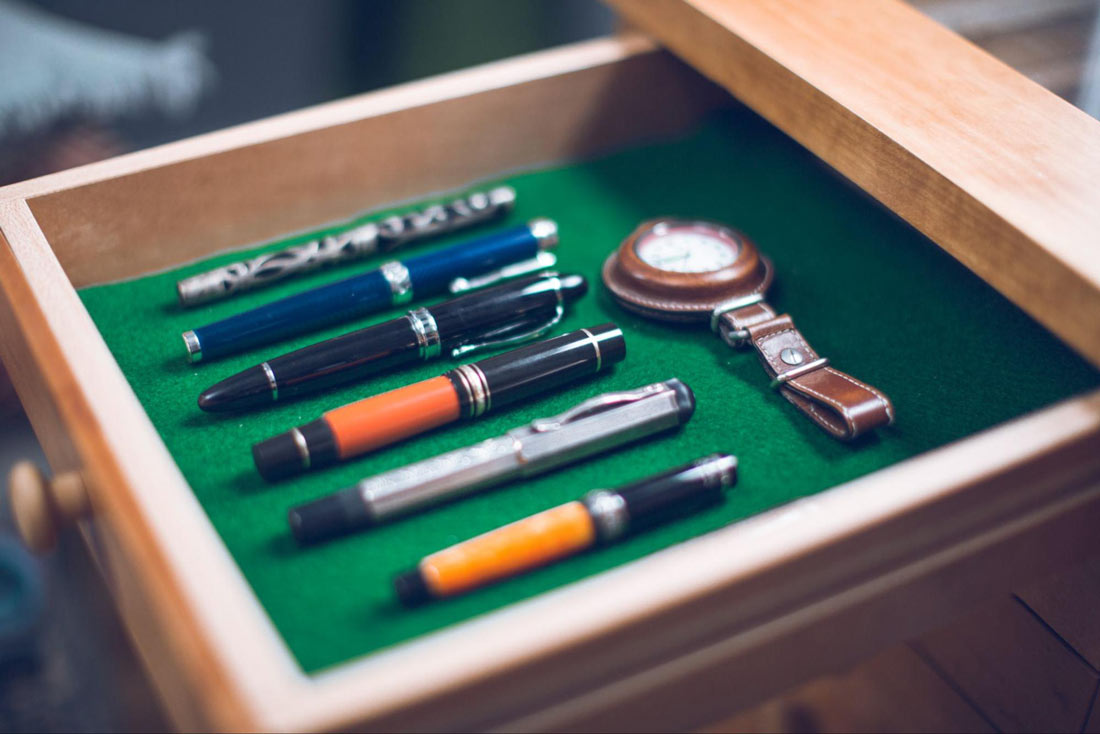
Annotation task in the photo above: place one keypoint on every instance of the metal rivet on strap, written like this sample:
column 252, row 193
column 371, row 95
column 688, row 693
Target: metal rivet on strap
column 799, row 371
column 792, row 356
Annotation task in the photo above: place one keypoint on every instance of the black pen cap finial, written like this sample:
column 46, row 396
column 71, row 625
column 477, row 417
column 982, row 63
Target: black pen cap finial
column 328, row 517
column 573, row 287
column 610, row 343
column 685, row 398
column 279, row 457
column 412, row 590
column 306, row 447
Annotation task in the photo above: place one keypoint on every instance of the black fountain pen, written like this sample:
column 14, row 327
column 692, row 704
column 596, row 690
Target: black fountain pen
column 514, row 312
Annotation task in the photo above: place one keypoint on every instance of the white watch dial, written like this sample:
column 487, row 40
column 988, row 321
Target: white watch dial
column 686, row 250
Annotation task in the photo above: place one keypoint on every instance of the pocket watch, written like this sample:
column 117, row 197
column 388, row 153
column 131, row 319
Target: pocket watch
column 681, row 270
column 692, row 270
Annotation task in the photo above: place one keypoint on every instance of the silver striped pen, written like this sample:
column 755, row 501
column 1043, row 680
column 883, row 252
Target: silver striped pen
column 381, row 236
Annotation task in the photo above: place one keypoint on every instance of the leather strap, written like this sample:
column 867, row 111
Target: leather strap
column 839, row 403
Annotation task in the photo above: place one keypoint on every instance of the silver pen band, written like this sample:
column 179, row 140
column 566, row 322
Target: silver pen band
column 271, row 380
column 194, row 348
column 609, row 514
column 426, row 331
column 397, row 275
column 476, row 387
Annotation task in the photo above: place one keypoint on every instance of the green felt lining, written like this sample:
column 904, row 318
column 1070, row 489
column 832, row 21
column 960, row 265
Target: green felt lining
column 878, row 299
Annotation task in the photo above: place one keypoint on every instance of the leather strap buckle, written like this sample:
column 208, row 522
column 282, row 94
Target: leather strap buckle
column 839, row 403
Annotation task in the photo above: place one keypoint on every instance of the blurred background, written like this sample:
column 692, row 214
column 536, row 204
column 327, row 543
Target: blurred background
column 85, row 81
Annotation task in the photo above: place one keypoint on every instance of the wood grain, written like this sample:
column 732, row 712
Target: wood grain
column 895, row 691
column 995, row 169
column 1069, row 602
column 1014, row 669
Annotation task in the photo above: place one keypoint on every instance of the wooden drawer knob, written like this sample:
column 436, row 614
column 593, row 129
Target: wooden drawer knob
column 43, row 508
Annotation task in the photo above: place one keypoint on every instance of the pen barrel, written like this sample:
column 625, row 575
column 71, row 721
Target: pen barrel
column 533, row 541
column 353, row 244
column 652, row 500
column 431, row 274
column 313, row 309
column 520, row 373
column 390, row 417
column 347, row 358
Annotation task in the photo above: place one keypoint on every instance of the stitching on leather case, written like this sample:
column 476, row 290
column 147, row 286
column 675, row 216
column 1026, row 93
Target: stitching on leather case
column 676, row 306
column 868, row 388
column 790, row 393
column 829, row 401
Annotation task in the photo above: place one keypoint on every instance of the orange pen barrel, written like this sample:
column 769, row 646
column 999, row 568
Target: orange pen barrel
column 601, row 516
column 358, row 427
column 390, row 417
column 466, row 391
column 533, row 541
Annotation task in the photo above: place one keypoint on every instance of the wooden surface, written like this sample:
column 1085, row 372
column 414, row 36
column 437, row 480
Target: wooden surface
column 762, row 603
column 1069, row 602
column 240, row 186
column 995, row 169
column 895, row 691
column 1002, row 667
column 1025, row 677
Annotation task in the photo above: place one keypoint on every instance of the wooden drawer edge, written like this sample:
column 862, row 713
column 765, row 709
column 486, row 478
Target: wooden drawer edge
column 830, row 634
column 139, row 574
column 992, row 167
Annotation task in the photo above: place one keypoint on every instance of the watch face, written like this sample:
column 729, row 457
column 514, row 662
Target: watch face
column 686, row 248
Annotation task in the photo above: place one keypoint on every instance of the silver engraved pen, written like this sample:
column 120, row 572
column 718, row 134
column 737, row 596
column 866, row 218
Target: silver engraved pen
column 602, row 423
column 383, row 235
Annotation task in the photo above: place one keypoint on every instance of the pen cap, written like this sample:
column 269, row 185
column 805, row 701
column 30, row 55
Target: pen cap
column 491, row 313
column 535, row 368
column 295, row 451
column 661, row 497
column 434, row 271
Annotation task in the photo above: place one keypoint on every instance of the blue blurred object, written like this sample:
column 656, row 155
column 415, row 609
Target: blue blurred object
column 21, row 602
column 56, row 68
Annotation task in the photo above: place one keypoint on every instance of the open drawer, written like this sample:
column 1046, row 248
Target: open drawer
column 669, row 639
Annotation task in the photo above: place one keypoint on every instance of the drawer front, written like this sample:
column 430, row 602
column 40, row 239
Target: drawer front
column 710, row 606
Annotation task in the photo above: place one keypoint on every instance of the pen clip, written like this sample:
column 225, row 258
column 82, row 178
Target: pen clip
column 542, row 261
column 596, row 405
column 508, row 335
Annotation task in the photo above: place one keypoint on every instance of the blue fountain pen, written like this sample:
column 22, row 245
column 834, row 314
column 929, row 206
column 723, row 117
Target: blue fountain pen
column 510, row 252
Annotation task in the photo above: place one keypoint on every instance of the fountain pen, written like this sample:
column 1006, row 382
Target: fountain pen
column 507, row 314
column 394, row 283
column 465, row 392
column 601, row 517
column 600, row 424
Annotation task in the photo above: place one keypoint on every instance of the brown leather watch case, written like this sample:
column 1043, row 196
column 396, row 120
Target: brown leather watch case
column 677, row 296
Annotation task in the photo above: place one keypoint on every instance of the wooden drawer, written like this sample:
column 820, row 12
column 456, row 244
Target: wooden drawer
column 684, row 635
